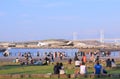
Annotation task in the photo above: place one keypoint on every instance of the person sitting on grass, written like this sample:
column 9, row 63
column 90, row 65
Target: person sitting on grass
column 97, row 68
column 39, row 62
column 62, row 71
column 69, row 61
column 104, row 72
column 60, row 65
column 17, row 60
column 61, row 68
column 113, row 64
column 83, row 69
column 108, row 63
column 56, row 68
column 77, row 63
column 47, row 61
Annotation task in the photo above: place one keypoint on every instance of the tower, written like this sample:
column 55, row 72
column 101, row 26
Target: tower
column 74, row 36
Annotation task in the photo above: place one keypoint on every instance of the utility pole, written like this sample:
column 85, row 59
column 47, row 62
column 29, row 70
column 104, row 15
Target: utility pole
column 102, row 36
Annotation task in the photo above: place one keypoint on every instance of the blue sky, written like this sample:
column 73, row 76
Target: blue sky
column 58, row 19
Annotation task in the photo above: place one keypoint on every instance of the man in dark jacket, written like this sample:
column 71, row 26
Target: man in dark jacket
column 56, row 68
column 108, row 63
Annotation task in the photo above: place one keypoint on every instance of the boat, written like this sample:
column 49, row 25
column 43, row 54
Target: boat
column 6, row 53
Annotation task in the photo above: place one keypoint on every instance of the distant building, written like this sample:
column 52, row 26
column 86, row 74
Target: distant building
column 42, row 44
column 4, row 44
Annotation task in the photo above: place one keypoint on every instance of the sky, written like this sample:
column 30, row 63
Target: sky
column 25, row 20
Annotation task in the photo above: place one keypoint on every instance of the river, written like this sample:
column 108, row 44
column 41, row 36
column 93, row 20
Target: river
column 68, row 52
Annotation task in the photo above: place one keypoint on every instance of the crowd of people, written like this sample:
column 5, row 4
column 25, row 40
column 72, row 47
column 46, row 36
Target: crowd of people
column 79, row 62
column 82, row 65
column 28, row 60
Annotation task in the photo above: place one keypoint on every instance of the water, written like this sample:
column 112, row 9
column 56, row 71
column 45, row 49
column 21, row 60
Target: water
column 68, row 52
column 115, row 54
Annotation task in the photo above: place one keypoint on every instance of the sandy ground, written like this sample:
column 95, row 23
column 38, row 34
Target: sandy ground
column 10, row 59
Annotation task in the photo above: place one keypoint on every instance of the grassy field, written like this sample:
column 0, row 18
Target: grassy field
column 12, row 68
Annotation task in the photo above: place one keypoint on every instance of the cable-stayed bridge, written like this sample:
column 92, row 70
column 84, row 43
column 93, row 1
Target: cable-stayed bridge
column 102, row 39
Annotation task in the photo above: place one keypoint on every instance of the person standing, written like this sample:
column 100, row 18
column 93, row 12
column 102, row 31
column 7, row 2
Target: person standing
column 84, row 58
column 52, row 57
column 38, row 54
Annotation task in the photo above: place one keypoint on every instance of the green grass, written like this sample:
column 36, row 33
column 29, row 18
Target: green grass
column 12, row 68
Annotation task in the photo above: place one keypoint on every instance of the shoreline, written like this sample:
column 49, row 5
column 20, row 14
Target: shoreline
column 79, row 48
column 10, row 59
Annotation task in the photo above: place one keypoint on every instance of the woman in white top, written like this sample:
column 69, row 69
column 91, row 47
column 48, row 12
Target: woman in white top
column 17, row 60
column 62, row 71
column 113, row 63
column 77, row 63
column 83, row 68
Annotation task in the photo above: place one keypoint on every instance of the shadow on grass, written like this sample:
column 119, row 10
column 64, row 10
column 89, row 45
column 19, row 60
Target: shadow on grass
column 18, row 69
column 4, row 67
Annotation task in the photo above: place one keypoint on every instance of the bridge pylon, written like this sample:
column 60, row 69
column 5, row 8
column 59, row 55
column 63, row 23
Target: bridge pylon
column 102, row 36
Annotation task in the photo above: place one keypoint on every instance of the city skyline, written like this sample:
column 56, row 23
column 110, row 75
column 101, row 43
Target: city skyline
column 54, row 19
